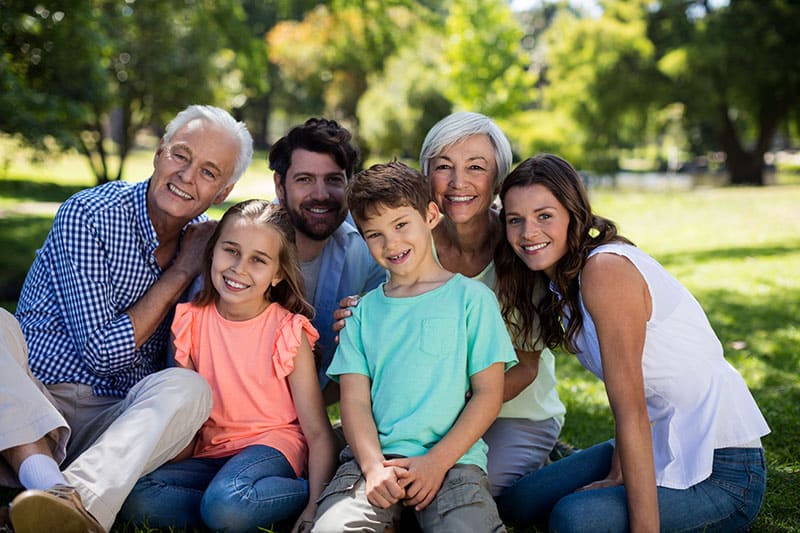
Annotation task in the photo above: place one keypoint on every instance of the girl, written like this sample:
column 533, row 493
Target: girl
column 687, row 452
column 248, row 333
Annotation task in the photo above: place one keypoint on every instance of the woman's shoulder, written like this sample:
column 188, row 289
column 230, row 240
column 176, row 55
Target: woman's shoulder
column 610, row 265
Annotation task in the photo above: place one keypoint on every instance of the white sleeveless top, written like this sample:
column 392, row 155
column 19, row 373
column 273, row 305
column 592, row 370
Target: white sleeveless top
column 697, row 402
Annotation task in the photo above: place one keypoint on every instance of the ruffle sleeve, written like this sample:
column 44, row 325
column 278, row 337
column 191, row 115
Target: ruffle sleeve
column 182, row 326
column 288, row 340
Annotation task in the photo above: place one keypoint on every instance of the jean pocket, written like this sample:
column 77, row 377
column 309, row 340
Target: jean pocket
column 731, row 474
column 438, row 336
column 344, row 481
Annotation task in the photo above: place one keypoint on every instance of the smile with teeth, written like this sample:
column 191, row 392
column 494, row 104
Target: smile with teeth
column 319, row 210
column 535, row 247
column 178, row 192
column 399, row 256
column 460, row 199
column 234, row 284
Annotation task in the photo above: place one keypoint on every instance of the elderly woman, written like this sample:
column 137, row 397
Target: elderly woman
column 466, row 157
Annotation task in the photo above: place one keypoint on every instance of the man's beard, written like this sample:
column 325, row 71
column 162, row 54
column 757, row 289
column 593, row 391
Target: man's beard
column 317, row 232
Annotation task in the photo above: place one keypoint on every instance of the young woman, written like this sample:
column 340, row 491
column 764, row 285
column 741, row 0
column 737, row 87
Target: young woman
column 687, row 453
column 249, row 334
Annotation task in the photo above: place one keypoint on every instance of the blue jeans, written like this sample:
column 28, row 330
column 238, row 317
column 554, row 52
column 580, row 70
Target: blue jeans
column 728, row 500
column 256, row 487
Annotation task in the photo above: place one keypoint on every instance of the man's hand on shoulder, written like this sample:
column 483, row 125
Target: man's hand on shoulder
column 192, row 247
column 343, row 312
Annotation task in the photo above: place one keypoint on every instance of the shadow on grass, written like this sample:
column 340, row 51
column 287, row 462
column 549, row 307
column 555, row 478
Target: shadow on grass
column 36, row 191
column 723, row 254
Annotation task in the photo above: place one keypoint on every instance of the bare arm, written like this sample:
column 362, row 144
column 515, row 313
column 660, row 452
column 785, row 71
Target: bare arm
column 426, row 472
column 383, row 485
column 618, row 300
column 151, row 309
column 316, row 427
column 521, row 375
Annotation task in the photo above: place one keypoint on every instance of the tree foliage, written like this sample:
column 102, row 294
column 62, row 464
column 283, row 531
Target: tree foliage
column 485, row 64
column 326, row 58
column 90, row 74
column 405, row 100
column 45, row 89
column 601, row 73
column 737, row 70
column 692, row 74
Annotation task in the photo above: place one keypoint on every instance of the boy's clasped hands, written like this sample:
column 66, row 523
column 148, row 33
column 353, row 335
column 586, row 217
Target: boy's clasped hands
column 413, row 480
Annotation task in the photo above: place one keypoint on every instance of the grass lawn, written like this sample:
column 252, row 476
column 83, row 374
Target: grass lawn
column 736, row 249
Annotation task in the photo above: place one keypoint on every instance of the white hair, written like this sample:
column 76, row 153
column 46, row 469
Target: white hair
column 223, row 119
column 458, row 126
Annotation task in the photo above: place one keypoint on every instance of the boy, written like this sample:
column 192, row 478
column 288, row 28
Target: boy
column 413, row 349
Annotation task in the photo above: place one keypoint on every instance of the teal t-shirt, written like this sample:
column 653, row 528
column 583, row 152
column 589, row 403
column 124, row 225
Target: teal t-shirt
column 419, row 353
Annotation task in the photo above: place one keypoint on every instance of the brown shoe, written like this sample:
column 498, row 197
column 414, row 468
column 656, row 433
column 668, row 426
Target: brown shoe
column 58, row 508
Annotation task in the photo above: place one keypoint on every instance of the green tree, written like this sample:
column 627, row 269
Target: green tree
column 260, row 80
column 601, row 73
column 45, row 89
column 404, row 100
column 106, row 69
column 735, row 67
column 485, row 64
column 326, row 58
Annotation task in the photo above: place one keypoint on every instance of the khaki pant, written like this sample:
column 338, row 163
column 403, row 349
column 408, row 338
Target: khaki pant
column 113, row 441
column 463, row 504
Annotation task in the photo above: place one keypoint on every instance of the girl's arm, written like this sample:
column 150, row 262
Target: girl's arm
column 617, row 298
column 426, row 472
column 383, row 485
column 316, row 427
column 522, row 374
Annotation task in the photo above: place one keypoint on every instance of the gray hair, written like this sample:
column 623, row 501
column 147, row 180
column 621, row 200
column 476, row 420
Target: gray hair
column 223, row 119
column 457, row 127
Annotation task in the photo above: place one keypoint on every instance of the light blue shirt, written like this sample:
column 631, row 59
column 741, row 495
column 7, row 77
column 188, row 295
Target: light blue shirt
column 346, row 268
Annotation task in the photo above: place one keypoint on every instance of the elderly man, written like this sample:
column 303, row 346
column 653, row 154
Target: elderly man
column 94, row 311
column 312, row 165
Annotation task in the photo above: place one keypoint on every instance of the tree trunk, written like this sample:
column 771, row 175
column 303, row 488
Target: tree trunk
column 746, row 167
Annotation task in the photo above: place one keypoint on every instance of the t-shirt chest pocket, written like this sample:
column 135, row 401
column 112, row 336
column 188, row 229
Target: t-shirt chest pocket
column 438, row 336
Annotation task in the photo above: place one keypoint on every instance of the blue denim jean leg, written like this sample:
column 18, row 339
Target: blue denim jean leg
column 256, row 487
column 532, row 497
column 726, row 501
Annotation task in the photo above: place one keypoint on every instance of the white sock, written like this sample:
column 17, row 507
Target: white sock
column 40, row 472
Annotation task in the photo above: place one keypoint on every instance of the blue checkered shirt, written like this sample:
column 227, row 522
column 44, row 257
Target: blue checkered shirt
column 97, row 261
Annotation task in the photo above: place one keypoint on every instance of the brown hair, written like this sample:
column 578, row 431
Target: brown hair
column 516, row 284
column 290, row 291
column 315, row 135
column 393, row 184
